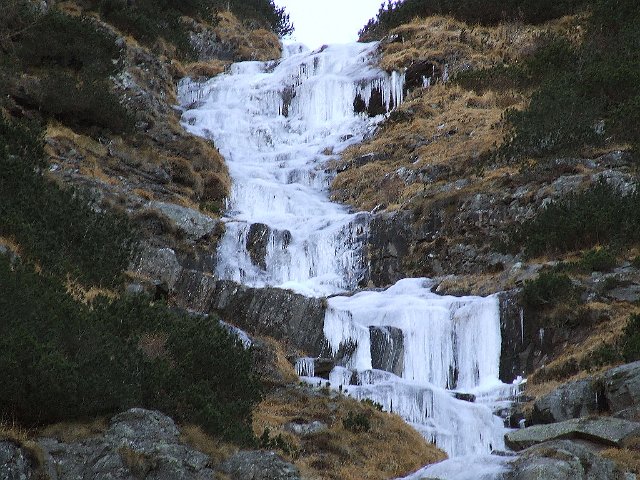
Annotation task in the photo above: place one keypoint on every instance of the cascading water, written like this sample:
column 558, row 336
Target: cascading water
column 278, row 124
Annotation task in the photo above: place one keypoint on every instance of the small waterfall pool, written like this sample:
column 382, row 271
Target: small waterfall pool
column 432, row 359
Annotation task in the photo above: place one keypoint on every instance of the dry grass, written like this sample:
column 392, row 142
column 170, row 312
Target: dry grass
column 605, row 332
column 444, row 125
column 461, row 45
column 86, row 295
column 205, row 69
column 10, row 244
column 249, row 44
column 389, row 449
column 24, row 439
column 217, row 450
column 69, row 432
column 627, row 459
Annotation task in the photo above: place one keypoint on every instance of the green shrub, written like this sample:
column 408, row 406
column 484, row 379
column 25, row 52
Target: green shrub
column 357, row 422
column 61, row 360
column 61, row 41
column 62, row 230
column 487, row 12
column 548, row 290
column 631, row 339
column 598, row 260
column 592, row 99
column 600, row 215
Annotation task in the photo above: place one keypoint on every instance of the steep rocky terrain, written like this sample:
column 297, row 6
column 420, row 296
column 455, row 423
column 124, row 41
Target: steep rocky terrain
column 446, row 207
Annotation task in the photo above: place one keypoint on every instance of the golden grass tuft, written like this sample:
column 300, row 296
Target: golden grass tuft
column 69, row 432
column 627, row 459
column 87, row 295
column 23, row 438
column 205, row 69
column 216, row 449
column 391, row 448
column 257, row 44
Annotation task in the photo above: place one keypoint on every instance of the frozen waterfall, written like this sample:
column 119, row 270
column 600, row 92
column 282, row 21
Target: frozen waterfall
column 432, row 359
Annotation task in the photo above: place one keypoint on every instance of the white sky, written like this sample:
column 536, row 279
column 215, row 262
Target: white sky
column 318, row 22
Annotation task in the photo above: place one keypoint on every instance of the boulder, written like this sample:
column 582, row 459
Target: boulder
column 274, row 312
column 622, row 387
column 607, row 431
column 562, row 460
column 572, row 400
column 15, row 463
column 258, row 465
column 194, row 224
column 138, row 444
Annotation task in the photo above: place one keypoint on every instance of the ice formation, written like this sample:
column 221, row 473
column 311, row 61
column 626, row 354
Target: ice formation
column 418, row 354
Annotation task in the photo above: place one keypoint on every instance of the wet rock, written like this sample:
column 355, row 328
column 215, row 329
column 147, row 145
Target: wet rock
column 422, row 73
column 138, row 444
column 388, row 244
column 512, row 333
column 194, row 224
column 562, row 460
column 387, row 349
column 259, row 465
column 572, row 400
column 608, row 431
column 257, row 243
column 622, row 387
column 15, row 463
column 274, row 312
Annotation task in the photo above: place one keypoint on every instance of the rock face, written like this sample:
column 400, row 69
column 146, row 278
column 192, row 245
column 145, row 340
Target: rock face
column 572, row 400
column 389, row 240
column 387, row 349
column 616, row 392
column 622, row 387
column 281, row 314
column 15, row 464
column 259, row 466
column 512, row 333
column 562, row 460
column 608, row 431
column 138, row 444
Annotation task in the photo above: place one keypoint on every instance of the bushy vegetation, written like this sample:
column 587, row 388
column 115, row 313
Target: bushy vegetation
column 149, row 20
column 61, row 230
column 357, row 422
column 631, row 339
column 70, row 60
column 548, row 290
column 487, row 12
column 589, row 100
column 61, row 360
column 600, row 215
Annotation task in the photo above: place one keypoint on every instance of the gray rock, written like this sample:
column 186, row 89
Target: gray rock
column 562, row 460
column 572, row 400
column 630, row 293
column 622, row 387
column 15, row 463
column 604, row 430
column 194, row 224
column 259, row 465
column 138, row 444
column 257, row 242
column 388, row 244
column 387, row 349
column 281, row 314
column 159, row 264
column 304, row 429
